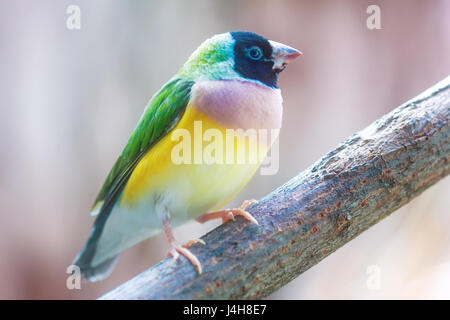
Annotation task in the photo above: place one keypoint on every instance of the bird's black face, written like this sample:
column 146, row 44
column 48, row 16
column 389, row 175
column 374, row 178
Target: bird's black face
column 260, row 59
column 253, row 58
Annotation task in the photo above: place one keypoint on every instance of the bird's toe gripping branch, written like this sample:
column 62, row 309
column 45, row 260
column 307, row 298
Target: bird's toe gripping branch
column 229, row 214
column 177, row 249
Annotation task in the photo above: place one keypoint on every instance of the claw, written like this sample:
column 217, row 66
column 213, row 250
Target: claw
column 245, row 215
column 177, row 249
column 193, row 241
column 227, row 216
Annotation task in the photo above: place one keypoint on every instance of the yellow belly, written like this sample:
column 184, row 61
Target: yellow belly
column 194, row 181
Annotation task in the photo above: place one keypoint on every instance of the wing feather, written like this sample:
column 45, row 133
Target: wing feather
column 160, row 116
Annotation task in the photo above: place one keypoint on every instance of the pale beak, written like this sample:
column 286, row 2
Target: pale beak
column 282, row 54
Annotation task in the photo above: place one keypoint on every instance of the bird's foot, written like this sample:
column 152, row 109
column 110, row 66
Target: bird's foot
column 177, row 249
column 229, row 214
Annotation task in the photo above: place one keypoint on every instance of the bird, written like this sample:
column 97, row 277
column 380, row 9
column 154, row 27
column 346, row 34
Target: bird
column 228, row 83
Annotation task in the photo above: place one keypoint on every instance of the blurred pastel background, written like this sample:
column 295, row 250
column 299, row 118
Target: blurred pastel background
column 70, row 99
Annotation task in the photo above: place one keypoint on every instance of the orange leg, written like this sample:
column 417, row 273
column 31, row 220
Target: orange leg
column 229, row 214
column 176, row 249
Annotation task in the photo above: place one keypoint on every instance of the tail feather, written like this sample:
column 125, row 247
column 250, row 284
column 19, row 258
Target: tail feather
column 94, row 272
column 101, row 271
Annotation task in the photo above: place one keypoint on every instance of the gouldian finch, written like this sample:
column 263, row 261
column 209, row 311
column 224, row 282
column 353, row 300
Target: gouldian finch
column 228, row 83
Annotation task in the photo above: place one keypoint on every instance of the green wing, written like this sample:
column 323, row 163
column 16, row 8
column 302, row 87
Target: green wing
column 161, row 115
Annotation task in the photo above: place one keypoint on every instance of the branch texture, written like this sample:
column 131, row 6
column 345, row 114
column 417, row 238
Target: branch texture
column 367, row 177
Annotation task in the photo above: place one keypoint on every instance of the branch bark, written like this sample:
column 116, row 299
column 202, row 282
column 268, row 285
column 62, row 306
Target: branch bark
column 367, row 177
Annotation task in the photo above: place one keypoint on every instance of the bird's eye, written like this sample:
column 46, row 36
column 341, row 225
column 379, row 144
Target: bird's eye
column 254, row 53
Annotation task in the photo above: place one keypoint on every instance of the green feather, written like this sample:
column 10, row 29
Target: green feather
column 160, row 116
column 212, row 60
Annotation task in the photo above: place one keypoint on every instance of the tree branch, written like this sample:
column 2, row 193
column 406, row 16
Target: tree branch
column 370, row 175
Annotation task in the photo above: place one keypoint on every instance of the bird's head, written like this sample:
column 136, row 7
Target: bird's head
column 239, row 55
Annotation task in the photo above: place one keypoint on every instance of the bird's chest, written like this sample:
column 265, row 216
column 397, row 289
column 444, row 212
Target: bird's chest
column 239, row 104
column 210, row 155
